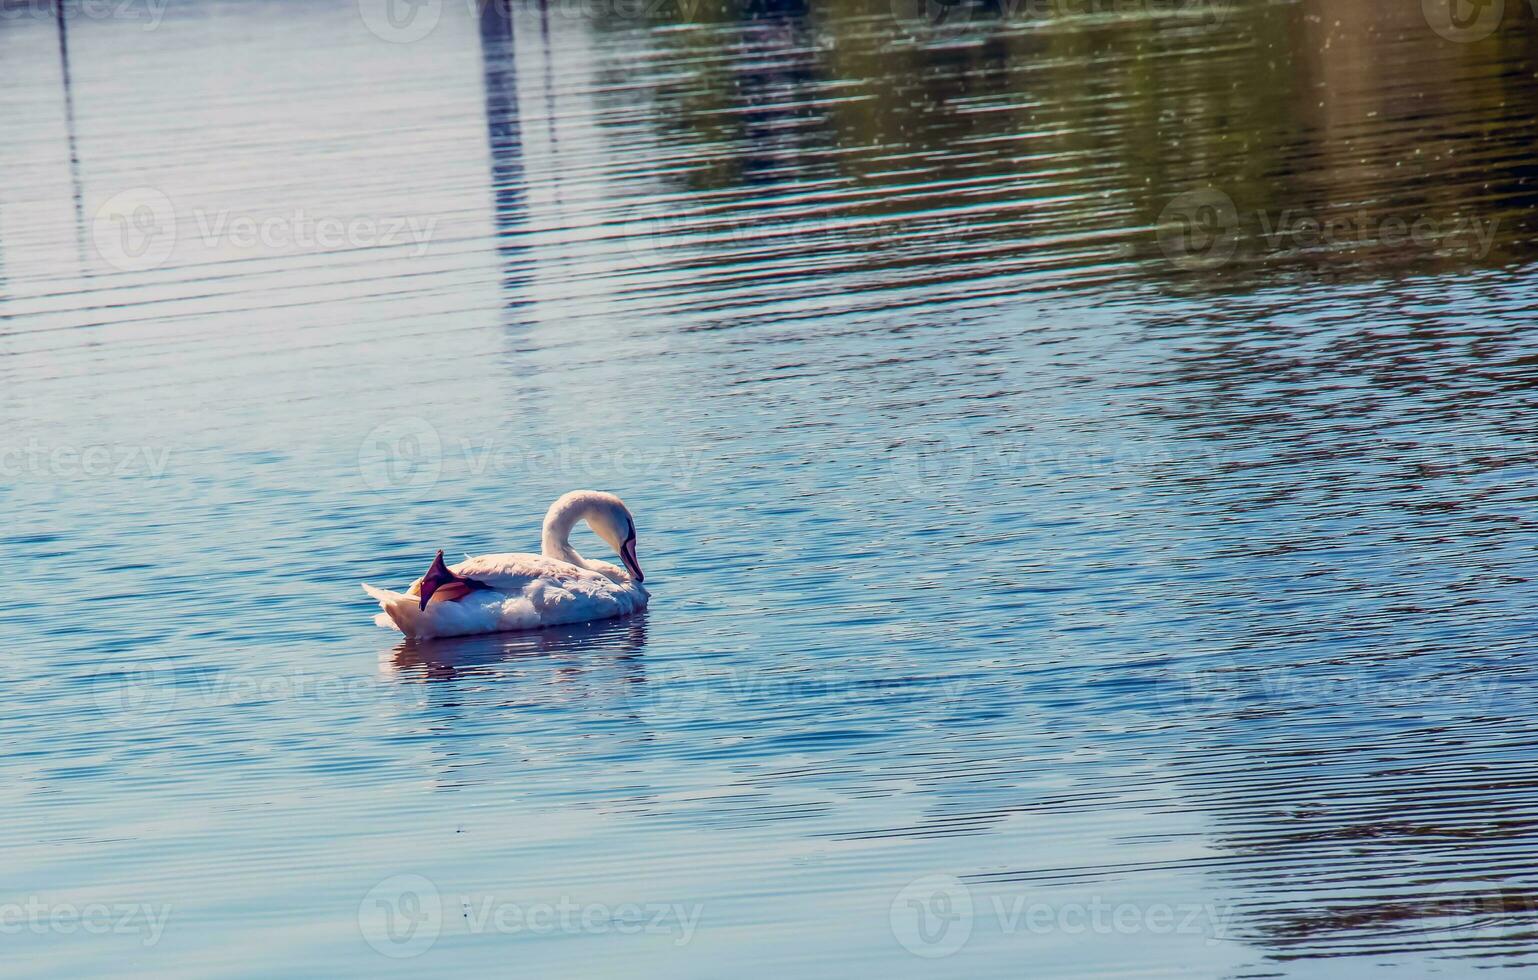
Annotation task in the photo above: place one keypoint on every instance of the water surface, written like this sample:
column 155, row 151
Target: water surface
column 1082, row 455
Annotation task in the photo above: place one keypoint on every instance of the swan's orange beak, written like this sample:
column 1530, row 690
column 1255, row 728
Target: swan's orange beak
column 627, row 555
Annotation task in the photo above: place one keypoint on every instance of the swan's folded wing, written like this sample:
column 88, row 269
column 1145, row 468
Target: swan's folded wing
column 511, row 572
column 525, row 591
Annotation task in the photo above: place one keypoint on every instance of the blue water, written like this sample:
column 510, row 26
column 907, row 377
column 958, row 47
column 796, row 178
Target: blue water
column 1034, row 593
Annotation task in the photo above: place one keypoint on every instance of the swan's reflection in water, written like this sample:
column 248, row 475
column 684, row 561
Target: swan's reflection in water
column 608, row 645
column 507, row 709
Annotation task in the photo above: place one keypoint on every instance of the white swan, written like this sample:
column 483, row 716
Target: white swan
column 493, row 593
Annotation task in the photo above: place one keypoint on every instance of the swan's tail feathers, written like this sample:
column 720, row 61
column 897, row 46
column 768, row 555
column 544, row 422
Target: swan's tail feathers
column 487, row 613
column 398, row 609
column 441, row 582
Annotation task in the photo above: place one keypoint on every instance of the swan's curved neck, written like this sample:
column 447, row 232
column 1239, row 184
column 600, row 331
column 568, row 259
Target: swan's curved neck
column 562, row 516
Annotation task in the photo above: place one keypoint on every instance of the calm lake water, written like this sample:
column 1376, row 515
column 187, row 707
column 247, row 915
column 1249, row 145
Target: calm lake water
column 1082, row 452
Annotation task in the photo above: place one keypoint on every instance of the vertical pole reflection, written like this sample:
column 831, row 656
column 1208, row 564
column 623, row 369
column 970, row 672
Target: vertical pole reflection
column 505, row 138
column 3, row 316
column 69, row 129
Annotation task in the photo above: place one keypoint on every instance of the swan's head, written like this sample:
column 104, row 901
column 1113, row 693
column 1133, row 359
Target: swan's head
column 610, row 519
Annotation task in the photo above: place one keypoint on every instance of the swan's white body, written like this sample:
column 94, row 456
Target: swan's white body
column 522, row 591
